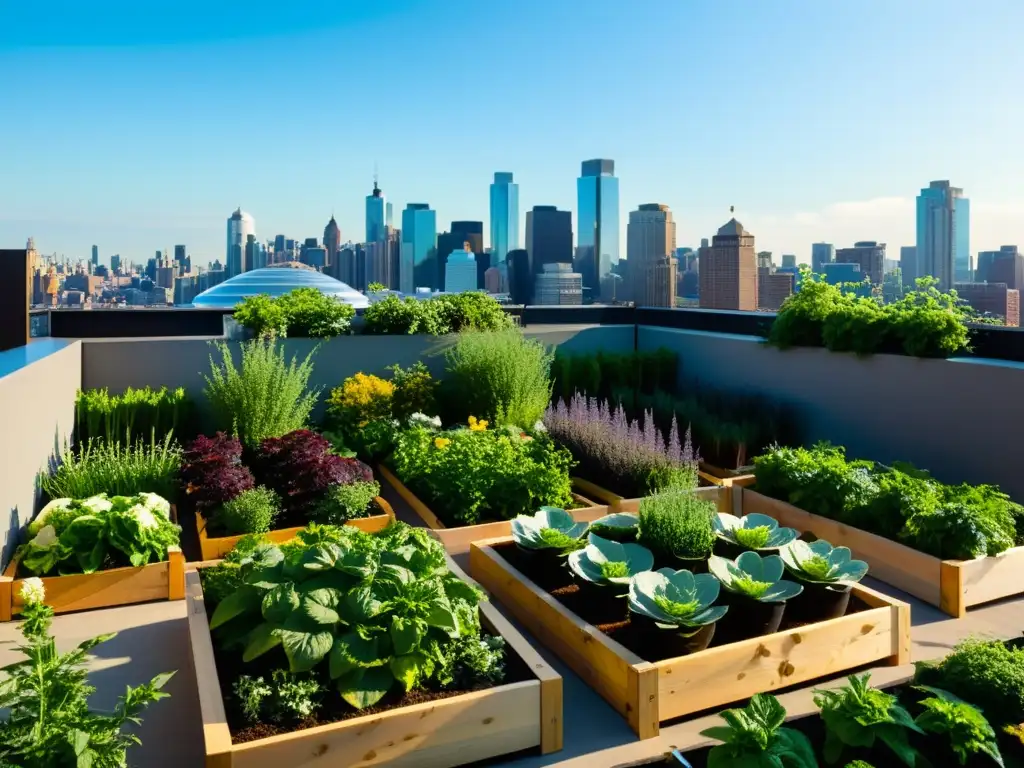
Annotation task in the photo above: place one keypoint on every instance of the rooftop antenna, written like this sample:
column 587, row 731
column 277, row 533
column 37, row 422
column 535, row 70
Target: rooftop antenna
column 375, row 175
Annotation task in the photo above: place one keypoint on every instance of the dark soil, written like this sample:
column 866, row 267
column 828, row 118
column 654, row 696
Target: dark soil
column 334, row 709
column 560, row 585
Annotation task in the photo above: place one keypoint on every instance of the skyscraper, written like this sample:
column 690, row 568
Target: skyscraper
column 376, row 215
column 871, row 257
column 789, row 260
column 908, row 266
column 821, row 254
column 650, row 241
column 504, row 216
column 597, row 191
column 728, row 270
column 460, row 273
column 240, row 226
column 332, row 240
column 520, row 281
column 462, row 232
column 548, row 238
column 95, row 256
column 419, row 249
column 1003, row 266
column 943, row 234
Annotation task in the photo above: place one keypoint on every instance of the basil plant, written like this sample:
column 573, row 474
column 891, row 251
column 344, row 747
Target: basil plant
column 677, row 600
column 818, row 562
column 753, row 576
column 377, row 610
column 620, row 526
column 550, row 528
column 754, row 531
column 606, row 562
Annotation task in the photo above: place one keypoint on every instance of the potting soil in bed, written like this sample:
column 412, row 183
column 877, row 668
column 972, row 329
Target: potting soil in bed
column 560, row 585
column 333, row 708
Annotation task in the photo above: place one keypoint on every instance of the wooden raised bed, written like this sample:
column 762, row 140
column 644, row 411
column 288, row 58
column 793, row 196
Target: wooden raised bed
column 951, row 585
column 214, row 547
column 618, row 503
column 102, row 589
column 437, row 734
column 649, row 693
column 431, row 520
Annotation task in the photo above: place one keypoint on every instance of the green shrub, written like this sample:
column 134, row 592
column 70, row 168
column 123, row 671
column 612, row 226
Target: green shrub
column 676, row 523
column 266, row 396
column 133, row 415
column 262, row 315
column 448, row 313
column 117, row 469
column 415, row 391
column 287, row 699
column 342, row 503
column 502, row 377
column 300, row 313
column 252, row 511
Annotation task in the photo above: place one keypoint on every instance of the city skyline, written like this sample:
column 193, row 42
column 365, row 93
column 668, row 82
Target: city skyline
column 156, row 154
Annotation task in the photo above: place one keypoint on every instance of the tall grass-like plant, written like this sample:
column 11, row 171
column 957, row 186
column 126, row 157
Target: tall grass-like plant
column 132, row 415
column 677, row 523
column 266, row 396
column 117, row 469
column 500, row 376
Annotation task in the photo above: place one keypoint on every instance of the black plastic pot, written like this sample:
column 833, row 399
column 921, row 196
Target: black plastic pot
column 546, row 567
column 747, row 618
column 602, row 604
column 818, row 602
column 657, row 644
column 691, row 564
column 725, row 548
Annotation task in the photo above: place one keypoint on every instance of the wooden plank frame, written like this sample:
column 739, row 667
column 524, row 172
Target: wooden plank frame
column 617, row 503
column 102, row 589
column 433, row 522
column 215, row 547
column 951, row 585
column 647, row 694
column 438, row 734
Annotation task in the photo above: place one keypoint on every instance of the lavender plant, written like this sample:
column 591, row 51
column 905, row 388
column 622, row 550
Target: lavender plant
column 630, row 458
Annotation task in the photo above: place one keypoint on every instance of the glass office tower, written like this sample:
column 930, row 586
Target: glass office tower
column 943, row 234
column 376, row 215
column 419, row 249
column 504, row 216
column 598, row 221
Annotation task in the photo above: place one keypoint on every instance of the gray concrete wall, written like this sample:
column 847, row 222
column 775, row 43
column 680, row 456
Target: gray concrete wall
column 38, row 386
column 182, row 362
column 960, row 419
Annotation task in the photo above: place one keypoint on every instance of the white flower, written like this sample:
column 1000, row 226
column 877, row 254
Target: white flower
column 32, row 591
column 427, row 421
column 539, row 427
column 156, row 503
column 40, row 520
column 46, row 537
column 144, row 515
column 97, row 504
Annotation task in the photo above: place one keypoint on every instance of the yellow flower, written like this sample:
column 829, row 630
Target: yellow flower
column 441, row 442
column 477, row 425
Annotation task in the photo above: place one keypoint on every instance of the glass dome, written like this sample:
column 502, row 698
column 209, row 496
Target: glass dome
column 276, row 281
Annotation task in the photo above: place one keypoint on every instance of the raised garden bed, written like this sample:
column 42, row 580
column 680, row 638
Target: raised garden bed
column 214, row 547
column 616, row 503
column 438, row 732
column 102, row 589
column 951, row 585
column 648, row 690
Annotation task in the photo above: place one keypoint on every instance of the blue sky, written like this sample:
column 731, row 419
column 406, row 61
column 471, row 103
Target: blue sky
column 818, row 119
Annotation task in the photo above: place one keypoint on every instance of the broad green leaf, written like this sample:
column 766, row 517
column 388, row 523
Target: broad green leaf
column 339, row 662
column 718, row 732
column 280, row 603
column 365, row 687
column 322, row 558
column 407, row 669
column 361, row 606
column 406, row 634
column 442, row 617
column 795, row 749
column 243, row 599
column 364, row 651
column 333, row 580
column 305, row 649
column 261, row 640
column 359, row 564
column 319, row 606
column 767, row 710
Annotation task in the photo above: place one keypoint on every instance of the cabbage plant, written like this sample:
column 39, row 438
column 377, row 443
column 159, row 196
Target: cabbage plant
column 677, row 600
column 619, row 526
column 753, row 576
column 607, row 562
column 818, row 562
column 753, row 531
column 550, row 528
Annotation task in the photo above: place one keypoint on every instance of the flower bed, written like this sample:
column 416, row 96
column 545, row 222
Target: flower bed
column 423, row 727
column 676, row 650
column 909, row 514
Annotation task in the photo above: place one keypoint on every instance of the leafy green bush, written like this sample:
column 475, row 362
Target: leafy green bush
column 47, row 720
column 252, row 511
column 266, row 396
column 263, row 315
column 968, row 731
column 500, row 376
column 364, row 613
column 342, row 503
column 603, row 373
column 987, row 673
column 120, row 469
column 98, row 533
column 676, row 523
column 300, row 313
column 448, row 313
column 469, row 475
column 754, row 737
column 133, row 415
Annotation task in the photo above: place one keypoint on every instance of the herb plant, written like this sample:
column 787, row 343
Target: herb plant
column 265, row 396
column 676, row 523
column 288, row 698
column 753, row 576
column 753, row 737
column 115, row 468
column 341, row 503
column 987, row 673
column 135, row 414
column 252, row 511
column 47, row 720
column 968, row 731
column 676, row 600
column 857, row 714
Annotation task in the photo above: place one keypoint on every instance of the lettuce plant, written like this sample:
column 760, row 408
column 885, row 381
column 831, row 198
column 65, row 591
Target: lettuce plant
column 372, row 612
column 968, row 731
column 676, row 600
column 820, row 563
column 605, row 562
column 753, row 737
column 619, row 526
column 550, row 528
column 756, row 577
column 753, row 532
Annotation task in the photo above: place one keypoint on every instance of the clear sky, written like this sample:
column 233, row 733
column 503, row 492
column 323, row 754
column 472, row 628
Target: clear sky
column 138, row 129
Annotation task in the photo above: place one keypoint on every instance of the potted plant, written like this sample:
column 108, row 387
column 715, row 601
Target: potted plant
column 672, row 610
column 619, row 526
column 603, row 570
column 750, row 533
column 755, row 589
column 827, row 574
column 545, row 538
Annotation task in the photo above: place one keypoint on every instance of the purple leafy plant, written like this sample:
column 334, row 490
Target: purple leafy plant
column 212, row 471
